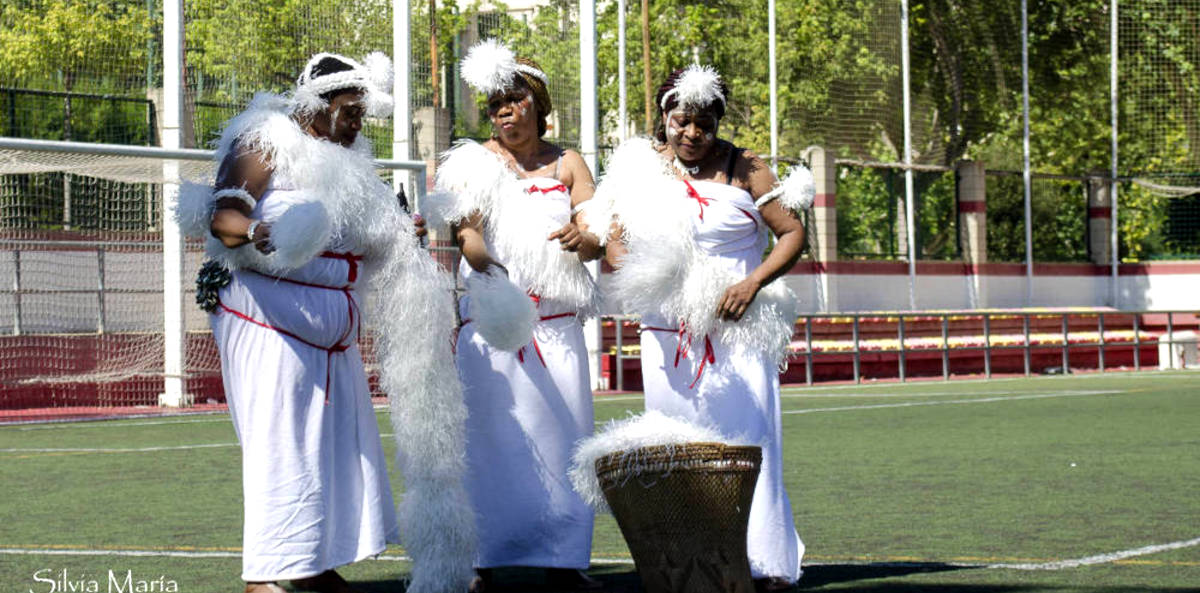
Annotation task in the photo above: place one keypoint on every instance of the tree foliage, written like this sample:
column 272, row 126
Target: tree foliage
column 839, row 84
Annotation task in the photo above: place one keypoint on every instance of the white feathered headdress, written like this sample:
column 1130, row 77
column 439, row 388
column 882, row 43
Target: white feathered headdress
column 490, row 67
column 373, row 75
column 697, row 87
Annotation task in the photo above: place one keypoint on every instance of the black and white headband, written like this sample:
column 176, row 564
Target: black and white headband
column 490, row 67
column 373, row 76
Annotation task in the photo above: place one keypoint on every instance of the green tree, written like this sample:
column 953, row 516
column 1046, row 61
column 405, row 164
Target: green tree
column 93, row 46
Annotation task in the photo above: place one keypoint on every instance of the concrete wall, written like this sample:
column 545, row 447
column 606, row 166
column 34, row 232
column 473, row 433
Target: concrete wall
column 884, row 286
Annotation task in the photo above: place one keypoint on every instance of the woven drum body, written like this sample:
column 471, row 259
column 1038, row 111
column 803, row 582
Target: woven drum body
column 684, row 510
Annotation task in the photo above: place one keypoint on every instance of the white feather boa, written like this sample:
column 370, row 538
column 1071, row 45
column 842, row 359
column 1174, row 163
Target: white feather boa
column 410, row 306
column 666, row 272
column 650, row 429
column 472, row 179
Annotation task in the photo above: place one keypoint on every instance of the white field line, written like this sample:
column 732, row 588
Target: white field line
column 1100, row 558
column 236, row 553
column 116, row 424
column 213, row 553
column 115, row 420
column 128, row 450
column 981, row 400
column 897, row 395
column 134, row 449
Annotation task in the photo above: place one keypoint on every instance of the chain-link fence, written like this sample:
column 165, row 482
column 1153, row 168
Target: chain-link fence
column 80, row 248
column 91, row 70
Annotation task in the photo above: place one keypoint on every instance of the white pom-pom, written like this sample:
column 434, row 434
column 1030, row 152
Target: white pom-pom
column 650, row 429
column 489, row 67
column 298, row 235
column 378, row 74
column 796, row 192
column 698, row 87
column 503, row 314
column 379, row 70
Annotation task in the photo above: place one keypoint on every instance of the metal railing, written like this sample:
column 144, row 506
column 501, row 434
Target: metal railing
column 1174, row 341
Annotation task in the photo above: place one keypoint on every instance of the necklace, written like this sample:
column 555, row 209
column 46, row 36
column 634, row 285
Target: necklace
column 684, row 168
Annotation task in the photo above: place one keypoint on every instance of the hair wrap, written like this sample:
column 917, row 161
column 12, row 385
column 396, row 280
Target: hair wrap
column 326, row 72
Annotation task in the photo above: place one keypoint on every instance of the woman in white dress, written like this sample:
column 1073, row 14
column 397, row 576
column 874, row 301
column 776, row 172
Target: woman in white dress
column 302, row 220
column 510, row 204
column 692, row 212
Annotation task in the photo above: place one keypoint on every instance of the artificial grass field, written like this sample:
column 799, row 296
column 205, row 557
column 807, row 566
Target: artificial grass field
column 1062, row 484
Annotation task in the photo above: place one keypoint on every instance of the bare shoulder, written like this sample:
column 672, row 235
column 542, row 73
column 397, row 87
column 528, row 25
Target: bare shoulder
column 492, row 144
column 572, row 159
column 753, row 174
column 243, row 167
column 573, row 162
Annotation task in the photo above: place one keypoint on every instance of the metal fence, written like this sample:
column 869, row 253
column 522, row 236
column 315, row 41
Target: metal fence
column 1075, row 340
column 863, row 80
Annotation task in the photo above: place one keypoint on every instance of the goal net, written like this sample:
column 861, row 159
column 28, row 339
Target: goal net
column 82, row 275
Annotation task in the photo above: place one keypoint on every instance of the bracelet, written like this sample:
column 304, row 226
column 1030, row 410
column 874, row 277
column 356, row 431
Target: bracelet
column 250, row 229
column 235, row 192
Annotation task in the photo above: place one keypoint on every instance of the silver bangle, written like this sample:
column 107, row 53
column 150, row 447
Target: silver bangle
column 250, row 229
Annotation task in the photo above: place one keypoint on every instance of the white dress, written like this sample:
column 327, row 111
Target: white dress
column 735, row 390
column 526, row 411
column 313, row 470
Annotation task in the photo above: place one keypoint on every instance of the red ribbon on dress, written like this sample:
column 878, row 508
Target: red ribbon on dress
column 534, row 189
column 681, row 350
column 349, row 258
column 695, row 195
column 337, row 347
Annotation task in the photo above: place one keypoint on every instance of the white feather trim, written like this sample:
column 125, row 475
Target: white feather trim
column 471, row 179
column 468, row 180
column 795, row 193
column 518, row 230
column 305, row 100
column 298, row 235
column 195, row 209
column 410, row 306
column 666, row 273
column 697, row 87
column 595, row 216
column 502, row 313
column 651, row 429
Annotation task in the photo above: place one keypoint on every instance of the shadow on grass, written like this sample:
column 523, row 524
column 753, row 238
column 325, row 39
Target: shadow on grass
column 837, row 577
column 624, row 579
column 825, row 574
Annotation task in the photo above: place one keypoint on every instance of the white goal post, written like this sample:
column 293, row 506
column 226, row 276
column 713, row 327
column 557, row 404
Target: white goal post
column 86, row 317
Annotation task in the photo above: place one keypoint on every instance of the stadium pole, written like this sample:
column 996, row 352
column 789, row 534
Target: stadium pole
column 774, row 86
column 1025, row 172
column 1114, row 270
column 588, row 129
column 622, row 107
column 909, row 215
column 401, row 85
column 173, row 346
